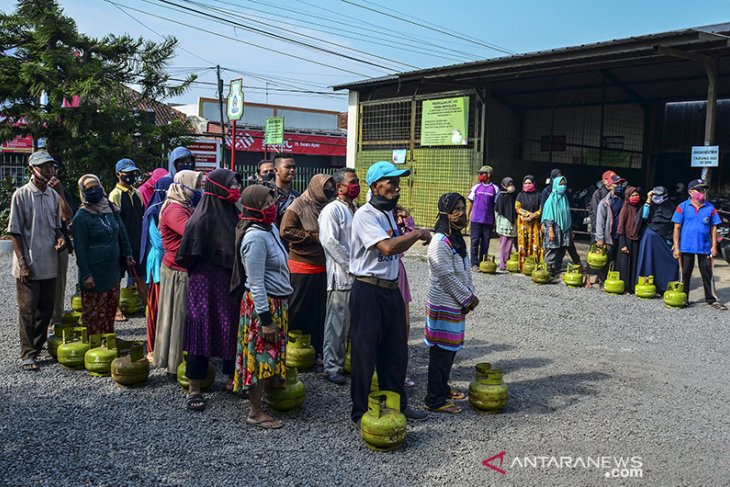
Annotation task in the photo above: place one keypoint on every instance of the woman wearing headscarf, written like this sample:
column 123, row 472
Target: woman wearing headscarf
column 207, row 251
column 529, row 211
column 147, row 189
column 506, row 216
column 628, row 238
column 450, row 298
column 151, row 252
column 101, row 244
column 655, row 248
column 300, row 226
column 172, row 309
column 261, row 272
column 556, row 224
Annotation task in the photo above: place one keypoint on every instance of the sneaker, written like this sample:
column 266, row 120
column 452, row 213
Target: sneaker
column 336, row 378
column 415, row 414
column 409, row 382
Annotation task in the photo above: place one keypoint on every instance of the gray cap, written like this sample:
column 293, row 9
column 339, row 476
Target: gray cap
column 40, row 157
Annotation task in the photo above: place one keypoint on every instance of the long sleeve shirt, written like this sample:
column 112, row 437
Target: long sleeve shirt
column 172, row 226
column 335, row 227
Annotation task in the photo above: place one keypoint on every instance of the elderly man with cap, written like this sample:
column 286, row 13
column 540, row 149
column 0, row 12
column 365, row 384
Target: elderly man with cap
column 128, row 199
column 480, row 212
column 35, row 229
column 695, row 234
column 377, row 311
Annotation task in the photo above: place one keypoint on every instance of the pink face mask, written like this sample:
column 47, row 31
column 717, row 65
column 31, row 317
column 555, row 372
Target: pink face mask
column 699, row 197
column 528, row 187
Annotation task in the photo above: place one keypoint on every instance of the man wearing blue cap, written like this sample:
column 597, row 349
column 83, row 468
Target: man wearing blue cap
column 377, row 311
column 695, row 234
column 128, row 199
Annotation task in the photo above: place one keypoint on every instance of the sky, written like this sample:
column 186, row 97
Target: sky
column 373, row 37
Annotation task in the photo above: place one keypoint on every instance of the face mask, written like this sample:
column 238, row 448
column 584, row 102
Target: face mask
column 618, row 190
column 196, row 198
column 634, row 200
column 483, row 178
column 510, row 189
column 185, row 164
column 268, row 177
column 528, row 187
column 330, row 193
column 93, row 195
column 460, row 221
column 38, row 177
column 353, row 191
column 658, row 200
column 383, row 204
column 234, row 194
column 268, row 214
column 698, row 197
column 129, row 179
column 561, row 189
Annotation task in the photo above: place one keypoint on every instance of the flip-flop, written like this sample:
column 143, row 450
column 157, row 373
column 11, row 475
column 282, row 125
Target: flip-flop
column 449, row 408
column 718, row 305
column 456, row 395
column 267, row 424
column 30, row 365
column 196, row 402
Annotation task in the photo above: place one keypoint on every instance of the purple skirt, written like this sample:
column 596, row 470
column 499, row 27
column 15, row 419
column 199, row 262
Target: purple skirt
column 212, row 322
column 405, row 289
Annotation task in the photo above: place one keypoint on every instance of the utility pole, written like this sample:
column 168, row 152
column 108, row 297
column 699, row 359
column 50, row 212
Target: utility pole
column 220, row 108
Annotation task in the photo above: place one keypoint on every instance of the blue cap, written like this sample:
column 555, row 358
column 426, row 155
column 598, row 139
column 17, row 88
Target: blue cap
column 696, row 183
column 384, row 169
column 126, row 165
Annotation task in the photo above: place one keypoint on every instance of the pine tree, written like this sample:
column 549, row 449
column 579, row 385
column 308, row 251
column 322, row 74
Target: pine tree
column 44, row 59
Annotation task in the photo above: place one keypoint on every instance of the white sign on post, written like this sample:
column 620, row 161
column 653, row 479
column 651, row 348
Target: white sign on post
column 705, row 156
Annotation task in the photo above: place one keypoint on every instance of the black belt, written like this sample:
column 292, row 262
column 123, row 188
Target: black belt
column 376, row 281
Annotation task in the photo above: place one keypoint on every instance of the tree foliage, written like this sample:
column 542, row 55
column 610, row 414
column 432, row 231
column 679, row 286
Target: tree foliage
column 44, row 60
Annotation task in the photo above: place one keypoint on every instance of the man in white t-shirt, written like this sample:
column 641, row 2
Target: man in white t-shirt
column 377, row 311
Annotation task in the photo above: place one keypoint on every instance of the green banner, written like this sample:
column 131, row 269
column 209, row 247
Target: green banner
column 274, row 134
column 445, row 121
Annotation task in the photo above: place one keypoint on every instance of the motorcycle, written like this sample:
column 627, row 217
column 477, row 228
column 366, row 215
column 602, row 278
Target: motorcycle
column 723, row 229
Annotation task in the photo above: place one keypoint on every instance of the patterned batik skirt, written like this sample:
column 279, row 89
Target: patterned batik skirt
column 99, row 309
column 258, row 359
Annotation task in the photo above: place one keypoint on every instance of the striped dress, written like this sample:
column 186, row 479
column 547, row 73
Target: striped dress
column 450, row 289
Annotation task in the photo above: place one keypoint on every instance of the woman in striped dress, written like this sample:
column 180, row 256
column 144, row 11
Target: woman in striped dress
column 450, row 298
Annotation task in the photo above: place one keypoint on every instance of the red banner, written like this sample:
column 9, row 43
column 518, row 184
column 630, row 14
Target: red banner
column 320, row 145
column 18, row 144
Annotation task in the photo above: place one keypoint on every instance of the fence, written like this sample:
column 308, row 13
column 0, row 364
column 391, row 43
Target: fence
column 301, row 178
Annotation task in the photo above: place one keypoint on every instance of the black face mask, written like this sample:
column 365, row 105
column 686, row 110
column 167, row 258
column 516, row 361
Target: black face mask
column 129, row 179
column 330, row 193
column 383, row 204
column 268, row 177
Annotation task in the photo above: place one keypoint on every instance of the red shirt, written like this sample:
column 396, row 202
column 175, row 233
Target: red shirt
column 172, row 226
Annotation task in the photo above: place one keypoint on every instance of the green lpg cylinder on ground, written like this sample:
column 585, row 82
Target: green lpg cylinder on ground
column 183, row 380
column 129, row 301
column 597, row 257
column 288, row 398
column 76, row 302
column 488, row 265
column 102, row 352
column 513, row 264
column 71, row 318
column 674, row 296
column 383, row 426
column 55, row 340
column 614, row 284
column 482, row 369
column 75, row 345
column 573, row 277
column 489, row 394
column 529, row 265
column 541, row 275
column 347, row 366
column 299, row 351
column 645, row 288
column 130, row 367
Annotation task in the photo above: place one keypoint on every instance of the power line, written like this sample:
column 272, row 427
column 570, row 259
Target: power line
column 437, row 29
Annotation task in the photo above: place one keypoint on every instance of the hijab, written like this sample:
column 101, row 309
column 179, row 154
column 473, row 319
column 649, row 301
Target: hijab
column 310, row 203
column 103, row 206
column 211, row 231
column 557, row 208
column 181, row 191
column 254, row 196
column 505, row 204
column 152, row 213
column 147, row 190
column 660, row 214
column 529, row 201
column 447, row 203
column 629, row 216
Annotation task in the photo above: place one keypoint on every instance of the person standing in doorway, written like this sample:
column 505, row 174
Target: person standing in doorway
column 377, row 312
column 35, row 231
column 335, row 227
column 480, row 211
column 695, row 237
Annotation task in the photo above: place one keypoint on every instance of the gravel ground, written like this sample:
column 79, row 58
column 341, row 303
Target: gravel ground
column 590, row 375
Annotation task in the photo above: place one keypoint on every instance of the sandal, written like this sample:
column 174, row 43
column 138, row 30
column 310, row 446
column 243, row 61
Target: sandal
column 267, row 424
column 30, row 365
column 449, row 408
column 456, row 395
column 119, row 317
column 718, row 305
column 196, row 402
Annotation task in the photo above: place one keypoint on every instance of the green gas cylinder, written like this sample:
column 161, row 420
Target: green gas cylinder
column 529, row 265
column 488, row 265
column 614, row 284
column 674, row 296
column 55, row 340
column 489, row 394
column 645, row 288
column 573, row 277
column 102, row 352
column 597, row 257
column 183, row 380
column 73, row 348
column 482, row 369
column 299, row 351
column 383, row 426
column 513, row 264
column 76, row 302
column 129, row 300
column 286, row 398
column 374, row 385
column 541, row 275
column 130, row 367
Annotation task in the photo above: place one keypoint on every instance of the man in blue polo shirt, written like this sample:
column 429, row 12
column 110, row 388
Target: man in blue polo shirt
column 695, row 234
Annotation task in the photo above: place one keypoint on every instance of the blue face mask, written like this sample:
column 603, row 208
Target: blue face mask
column 196, row 198
column 618, row 190
column 562, row 189
column 93, row 195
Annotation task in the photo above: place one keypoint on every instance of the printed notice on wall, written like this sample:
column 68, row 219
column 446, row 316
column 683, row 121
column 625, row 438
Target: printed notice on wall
column 705, row 156
column 445, row 121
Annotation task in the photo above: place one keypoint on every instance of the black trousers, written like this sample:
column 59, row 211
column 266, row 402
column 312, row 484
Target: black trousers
column 688, row 265
column 440, row 362
column 479, row 236
column 573, row 252
column 308, row 306
column 35, row 309
column 197, row 368
column 378, row 338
